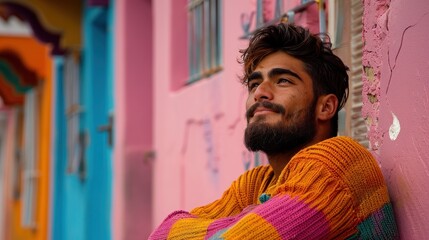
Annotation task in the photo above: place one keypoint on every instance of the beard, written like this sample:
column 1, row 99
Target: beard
column 290, row 133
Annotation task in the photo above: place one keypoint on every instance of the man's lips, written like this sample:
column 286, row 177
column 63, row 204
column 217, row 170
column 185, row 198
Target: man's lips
column 262, row 110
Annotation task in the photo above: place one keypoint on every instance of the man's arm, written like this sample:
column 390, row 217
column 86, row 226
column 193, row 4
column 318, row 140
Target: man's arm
column 244, row 191
column 300, row 209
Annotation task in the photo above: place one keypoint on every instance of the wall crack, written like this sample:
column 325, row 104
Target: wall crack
column 392, row 68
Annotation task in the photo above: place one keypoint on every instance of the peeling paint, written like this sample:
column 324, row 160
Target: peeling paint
column 374, row 33
column 372, row 98
column 369, row 72
column 395, row 128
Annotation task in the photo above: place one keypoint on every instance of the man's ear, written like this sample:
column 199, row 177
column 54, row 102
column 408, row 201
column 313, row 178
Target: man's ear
column 326, row 107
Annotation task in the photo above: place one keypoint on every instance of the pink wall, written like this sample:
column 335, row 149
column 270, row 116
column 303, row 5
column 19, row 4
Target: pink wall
column 132, row 196
column 396, row 104
column 198, row 129
column 192, row 138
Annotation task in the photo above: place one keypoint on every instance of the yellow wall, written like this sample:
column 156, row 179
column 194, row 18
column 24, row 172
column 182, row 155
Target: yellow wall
column 36, row 57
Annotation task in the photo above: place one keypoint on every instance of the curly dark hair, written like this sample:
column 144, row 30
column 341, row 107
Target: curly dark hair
column 327, row 71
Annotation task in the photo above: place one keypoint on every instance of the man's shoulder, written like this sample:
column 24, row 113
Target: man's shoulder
column 340, row 145
column 262, row 169
column 341, row 140
column 340, row 154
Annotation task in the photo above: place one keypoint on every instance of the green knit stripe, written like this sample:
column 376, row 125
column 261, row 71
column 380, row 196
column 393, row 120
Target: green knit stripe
column 379, row 225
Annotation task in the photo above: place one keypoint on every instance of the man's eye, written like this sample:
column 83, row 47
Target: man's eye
column 252, row 85
column 283, row 80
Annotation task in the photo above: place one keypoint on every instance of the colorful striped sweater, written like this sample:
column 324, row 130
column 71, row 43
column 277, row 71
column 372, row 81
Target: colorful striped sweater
column 331, row 190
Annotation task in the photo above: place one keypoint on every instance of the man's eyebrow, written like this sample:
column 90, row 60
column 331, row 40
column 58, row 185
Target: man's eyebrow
column 279, row 71
column 254, row 75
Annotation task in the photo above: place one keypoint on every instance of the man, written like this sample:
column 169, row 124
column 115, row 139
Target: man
column 317, row 186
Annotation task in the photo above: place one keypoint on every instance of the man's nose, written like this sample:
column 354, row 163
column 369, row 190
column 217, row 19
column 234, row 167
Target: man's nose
column 263, row 92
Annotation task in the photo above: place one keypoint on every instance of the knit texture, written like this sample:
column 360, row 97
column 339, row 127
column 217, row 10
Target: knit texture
column 330, row 190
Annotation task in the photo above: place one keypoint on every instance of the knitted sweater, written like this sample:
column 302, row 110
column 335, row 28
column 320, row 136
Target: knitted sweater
column 331, row 190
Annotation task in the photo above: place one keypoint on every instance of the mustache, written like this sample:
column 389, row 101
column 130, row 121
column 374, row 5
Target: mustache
column 268, row 105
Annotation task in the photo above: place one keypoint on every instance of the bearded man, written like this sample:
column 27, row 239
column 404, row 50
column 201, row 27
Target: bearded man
column 317, row 185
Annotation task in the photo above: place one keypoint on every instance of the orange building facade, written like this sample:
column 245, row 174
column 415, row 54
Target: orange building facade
column 26, row 157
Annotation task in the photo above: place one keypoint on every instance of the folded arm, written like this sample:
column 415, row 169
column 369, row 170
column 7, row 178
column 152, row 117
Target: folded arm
column 310, row 204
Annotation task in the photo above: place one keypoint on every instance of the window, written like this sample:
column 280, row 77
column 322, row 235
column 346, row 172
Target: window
column 204, row 41
column 30, row 174
column 75, row 139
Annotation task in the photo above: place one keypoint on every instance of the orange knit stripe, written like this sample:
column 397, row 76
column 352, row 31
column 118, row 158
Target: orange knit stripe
column 182, row 230
column 223, row 207
column 254, row 184
column 243, row 192
column 252, row 221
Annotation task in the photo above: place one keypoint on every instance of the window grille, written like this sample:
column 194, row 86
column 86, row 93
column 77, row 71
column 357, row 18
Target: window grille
column 204, row 40
column 72, row 107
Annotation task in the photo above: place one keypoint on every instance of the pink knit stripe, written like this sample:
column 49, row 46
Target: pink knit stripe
column 164, row 229
column 293, row 219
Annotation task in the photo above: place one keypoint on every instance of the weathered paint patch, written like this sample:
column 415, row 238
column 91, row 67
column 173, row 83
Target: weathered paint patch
column 369, row 72
column 374, row 34
column 372, row 98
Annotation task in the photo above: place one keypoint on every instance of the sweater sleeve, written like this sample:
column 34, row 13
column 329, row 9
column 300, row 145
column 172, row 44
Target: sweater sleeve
column 243, row 192
column 300, row 209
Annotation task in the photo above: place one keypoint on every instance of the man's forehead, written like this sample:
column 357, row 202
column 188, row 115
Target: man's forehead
column 279, row 60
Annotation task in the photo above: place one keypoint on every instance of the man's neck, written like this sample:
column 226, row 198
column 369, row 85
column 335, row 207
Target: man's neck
column 279, row 161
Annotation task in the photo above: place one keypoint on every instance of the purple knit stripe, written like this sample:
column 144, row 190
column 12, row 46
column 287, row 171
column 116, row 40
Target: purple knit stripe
column 164, row 229
column 293, row 218
column 223, row 223
column 378, row 218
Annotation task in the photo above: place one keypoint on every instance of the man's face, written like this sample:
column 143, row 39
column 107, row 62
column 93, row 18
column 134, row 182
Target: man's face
column 280, row 106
